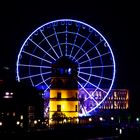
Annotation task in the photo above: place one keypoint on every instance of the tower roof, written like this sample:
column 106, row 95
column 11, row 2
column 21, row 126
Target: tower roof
column 64, row 62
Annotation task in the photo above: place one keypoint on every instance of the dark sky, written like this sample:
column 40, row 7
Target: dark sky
column 117, row 21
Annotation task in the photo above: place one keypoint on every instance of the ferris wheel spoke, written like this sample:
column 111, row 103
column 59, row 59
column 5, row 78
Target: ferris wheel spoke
column 99, row 56
column 57, row 41
column 94, row 67
column 92, row 84
column 48, row 87
column 43, row 81
column 41, row 49
column 94, row 47
column 66, row 34
column 82, row 44
column 36, row 57
column 49, row 44
column 35, row 66
column 35, row 75
column 91, row 97
column 101, row 77
column 74, row 41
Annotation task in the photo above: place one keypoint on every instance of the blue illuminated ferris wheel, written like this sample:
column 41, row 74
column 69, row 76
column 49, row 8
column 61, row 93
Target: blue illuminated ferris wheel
column 81, row 43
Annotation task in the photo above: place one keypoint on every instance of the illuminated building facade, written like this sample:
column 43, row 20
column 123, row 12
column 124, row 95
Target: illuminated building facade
column 117, row 99
column 114, row 108
column 64, row 90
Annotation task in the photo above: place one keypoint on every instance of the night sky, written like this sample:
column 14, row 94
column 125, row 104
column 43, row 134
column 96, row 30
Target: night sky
column 117, row 21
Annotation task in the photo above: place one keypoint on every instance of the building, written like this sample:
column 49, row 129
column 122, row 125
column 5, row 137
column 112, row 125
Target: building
column 118, row 99
column 117, row 102
column 114, row 109
column 64, row 89
column 21, row 106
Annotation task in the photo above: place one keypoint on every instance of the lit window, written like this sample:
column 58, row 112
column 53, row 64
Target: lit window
column 35, row 121
column 6, row 93
column 69, row 70
column 115, row 95
column 21, row 117
column 0, row 123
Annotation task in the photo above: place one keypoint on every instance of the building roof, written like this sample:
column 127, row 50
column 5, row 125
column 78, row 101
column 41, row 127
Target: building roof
column 64, row 62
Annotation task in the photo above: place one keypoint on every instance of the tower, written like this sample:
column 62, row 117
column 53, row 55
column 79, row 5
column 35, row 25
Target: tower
column 64, row 88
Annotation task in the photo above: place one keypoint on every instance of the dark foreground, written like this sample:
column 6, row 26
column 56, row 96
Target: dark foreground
column 76, row 133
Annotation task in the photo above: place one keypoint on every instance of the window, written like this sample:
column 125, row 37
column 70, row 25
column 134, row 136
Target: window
column 76, row 108
column 58, row 107
column 69, row 71
column 76, row 95
column 61, row 71
column 59, row 95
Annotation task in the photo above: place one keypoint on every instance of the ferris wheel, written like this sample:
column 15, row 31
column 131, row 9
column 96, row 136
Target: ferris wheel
column 81, row 43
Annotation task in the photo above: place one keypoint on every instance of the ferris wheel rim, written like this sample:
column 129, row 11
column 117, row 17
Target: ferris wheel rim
column 79, row 22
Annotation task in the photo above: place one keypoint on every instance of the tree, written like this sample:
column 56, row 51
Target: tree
column 58, row 116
